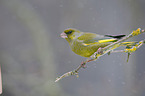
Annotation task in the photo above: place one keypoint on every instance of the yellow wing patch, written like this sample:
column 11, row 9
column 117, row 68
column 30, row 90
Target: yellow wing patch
column 100, row 41
column 106, row 40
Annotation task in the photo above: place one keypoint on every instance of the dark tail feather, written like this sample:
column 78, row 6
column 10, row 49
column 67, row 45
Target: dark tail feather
column 116, row 36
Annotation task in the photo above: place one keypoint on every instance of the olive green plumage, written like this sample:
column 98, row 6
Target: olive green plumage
column 84, row 43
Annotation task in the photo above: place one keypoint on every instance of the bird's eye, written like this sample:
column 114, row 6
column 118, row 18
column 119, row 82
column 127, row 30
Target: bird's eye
column 69, row 32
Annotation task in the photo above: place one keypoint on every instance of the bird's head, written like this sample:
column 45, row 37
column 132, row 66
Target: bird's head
column 70, row 34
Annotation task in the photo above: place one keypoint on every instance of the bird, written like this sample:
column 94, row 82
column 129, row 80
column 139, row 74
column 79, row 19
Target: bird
column 86, row 44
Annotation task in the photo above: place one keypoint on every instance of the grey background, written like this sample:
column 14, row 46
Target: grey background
column 32, row 54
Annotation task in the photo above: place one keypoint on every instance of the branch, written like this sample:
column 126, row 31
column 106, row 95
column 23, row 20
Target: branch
column 105, row 50
column 108, row 49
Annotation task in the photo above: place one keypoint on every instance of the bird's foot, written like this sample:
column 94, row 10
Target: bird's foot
column 83, row 64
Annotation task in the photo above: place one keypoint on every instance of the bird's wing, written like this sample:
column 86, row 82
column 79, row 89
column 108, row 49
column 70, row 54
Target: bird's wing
column 92, row 38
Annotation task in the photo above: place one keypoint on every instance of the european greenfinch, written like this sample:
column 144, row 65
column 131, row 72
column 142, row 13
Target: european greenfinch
column 85, row 43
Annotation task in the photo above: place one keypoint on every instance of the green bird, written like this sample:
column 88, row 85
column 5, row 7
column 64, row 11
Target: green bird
column 86, row 44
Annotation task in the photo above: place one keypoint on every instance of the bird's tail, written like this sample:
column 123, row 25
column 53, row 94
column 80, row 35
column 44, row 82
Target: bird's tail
column 116, row 36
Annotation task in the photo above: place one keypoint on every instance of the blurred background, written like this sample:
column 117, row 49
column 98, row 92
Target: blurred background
column 32, row 54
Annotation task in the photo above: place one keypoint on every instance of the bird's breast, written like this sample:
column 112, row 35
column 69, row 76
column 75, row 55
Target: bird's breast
column 83, row 49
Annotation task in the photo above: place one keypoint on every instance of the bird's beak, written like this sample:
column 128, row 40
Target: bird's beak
column 63, row 35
